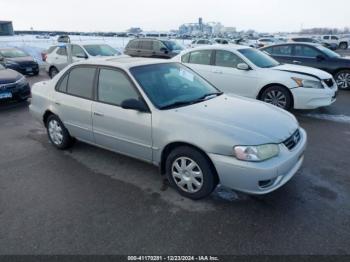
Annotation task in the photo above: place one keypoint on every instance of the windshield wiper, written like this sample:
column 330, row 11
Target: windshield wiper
column 191, row 102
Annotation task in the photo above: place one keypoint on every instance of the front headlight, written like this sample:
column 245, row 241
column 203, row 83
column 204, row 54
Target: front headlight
column 22, row 81
column 256, row 153
column 308, row 83
column 9, row 63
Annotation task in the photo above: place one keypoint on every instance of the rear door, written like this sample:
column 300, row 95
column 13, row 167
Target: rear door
column 201, row 62
column 146, row 48
column 126, row 131
column 132, row 48
column 60, row 58
column 282, row 53
column 73, row 101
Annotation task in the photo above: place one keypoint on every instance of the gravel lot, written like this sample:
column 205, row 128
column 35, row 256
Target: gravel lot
column 91, row 201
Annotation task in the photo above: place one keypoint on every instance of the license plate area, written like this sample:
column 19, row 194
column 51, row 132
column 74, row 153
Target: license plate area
column 5, row 95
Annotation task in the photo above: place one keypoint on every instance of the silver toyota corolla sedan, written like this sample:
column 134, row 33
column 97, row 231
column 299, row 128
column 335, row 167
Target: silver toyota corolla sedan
column 163, row 113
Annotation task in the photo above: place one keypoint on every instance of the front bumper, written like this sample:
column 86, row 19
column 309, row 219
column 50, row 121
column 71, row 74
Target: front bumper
column 261, row 177
column 18, row 92
column 311, row 98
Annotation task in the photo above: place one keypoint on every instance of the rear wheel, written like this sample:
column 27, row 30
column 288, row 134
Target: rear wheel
column 53, row 71
column 278, row 96
column 57, row 133
column 343, row 79
column 343, row 45
column 190, row 172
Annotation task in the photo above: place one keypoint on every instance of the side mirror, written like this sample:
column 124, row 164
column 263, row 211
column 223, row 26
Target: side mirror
column 320, row 58
column 135, row 104
column 243, row 66
column 165, row 50
column 81, row 56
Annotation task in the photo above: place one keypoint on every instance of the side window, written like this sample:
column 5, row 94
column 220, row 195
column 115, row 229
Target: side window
column 133, row 44
column 201, row 42
column 80, row 82
column 77, row 51
column 62, row 51
column 146, row 45
column 227, row 59
column 185, row 58
column 326, row 37
column 305, row 51
column 269, row 50
column 157, row 45
column 202, row 57
column 62, row 85
column 284, row 50
column 335, row 38
column 114, row 87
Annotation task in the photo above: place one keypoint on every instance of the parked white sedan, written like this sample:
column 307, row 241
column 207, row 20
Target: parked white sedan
column 252, row 73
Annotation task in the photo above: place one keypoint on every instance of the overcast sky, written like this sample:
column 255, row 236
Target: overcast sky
column 117, row 15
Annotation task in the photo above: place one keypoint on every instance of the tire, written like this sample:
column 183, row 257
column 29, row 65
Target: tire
column 53, row 71
column 343, row 79
column 343, row 45
column 57, row 133
column 195, row 183
column 278, row 96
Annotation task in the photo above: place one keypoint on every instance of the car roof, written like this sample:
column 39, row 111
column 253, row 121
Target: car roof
column 229, row 47
column 124, row 61
column 295, row 43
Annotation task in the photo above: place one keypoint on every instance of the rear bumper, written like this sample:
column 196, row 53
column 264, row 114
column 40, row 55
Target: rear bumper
column 263, row 177
column 311, row 98
column 25, row 70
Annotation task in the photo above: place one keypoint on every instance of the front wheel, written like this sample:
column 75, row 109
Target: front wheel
column 190, row 172
column 278, row 96
column 53, row 71
column 58, row 134
column 343, row 79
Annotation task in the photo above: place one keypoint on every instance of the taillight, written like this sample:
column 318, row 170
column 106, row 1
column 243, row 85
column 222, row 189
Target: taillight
column 44, row 56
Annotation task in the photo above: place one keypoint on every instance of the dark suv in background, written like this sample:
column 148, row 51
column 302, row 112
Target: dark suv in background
column 155, row 48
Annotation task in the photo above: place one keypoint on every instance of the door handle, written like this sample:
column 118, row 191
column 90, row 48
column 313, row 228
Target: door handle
column 98, row 114
column 296, row 62
column 58, row 103
column 216, row 71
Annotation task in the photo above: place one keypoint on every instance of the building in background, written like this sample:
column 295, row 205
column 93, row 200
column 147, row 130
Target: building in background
column 6, row 28
column 196, row 29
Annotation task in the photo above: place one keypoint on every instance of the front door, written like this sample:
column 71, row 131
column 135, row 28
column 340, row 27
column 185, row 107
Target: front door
column 125, row 131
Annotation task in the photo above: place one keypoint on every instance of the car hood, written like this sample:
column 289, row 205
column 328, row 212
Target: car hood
column 21, row 59
column 252, row 121
column 9, row 76
column 304, row 70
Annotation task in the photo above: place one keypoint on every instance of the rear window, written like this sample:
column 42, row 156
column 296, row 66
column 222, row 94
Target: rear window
column 51, row 49
column 62, row 51
column 133, row 44
column 147, row 45
column 202, row 57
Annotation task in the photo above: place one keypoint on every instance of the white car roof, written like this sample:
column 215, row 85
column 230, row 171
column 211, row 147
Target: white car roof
column 124, row 61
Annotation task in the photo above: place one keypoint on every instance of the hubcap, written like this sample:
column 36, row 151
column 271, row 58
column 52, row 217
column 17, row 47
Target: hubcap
column 343, row 80
column 55, row 132
column 276, row 98
column 187, row 175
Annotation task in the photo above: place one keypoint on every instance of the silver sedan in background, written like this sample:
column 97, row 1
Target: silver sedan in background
column 164, row 113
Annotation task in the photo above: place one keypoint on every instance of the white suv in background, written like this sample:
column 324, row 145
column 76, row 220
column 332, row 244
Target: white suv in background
column 251, row 73
column 56, row 57
column 342, row 43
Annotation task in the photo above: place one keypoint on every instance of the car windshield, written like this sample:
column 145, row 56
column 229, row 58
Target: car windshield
column 327, row 51
column 172, row 45
column 100, row 50
column 173, row 85
column 11, row 53
column 259, row 58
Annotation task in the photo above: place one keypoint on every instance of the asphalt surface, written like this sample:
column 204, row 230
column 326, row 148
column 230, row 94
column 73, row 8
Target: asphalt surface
column 91, row 201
